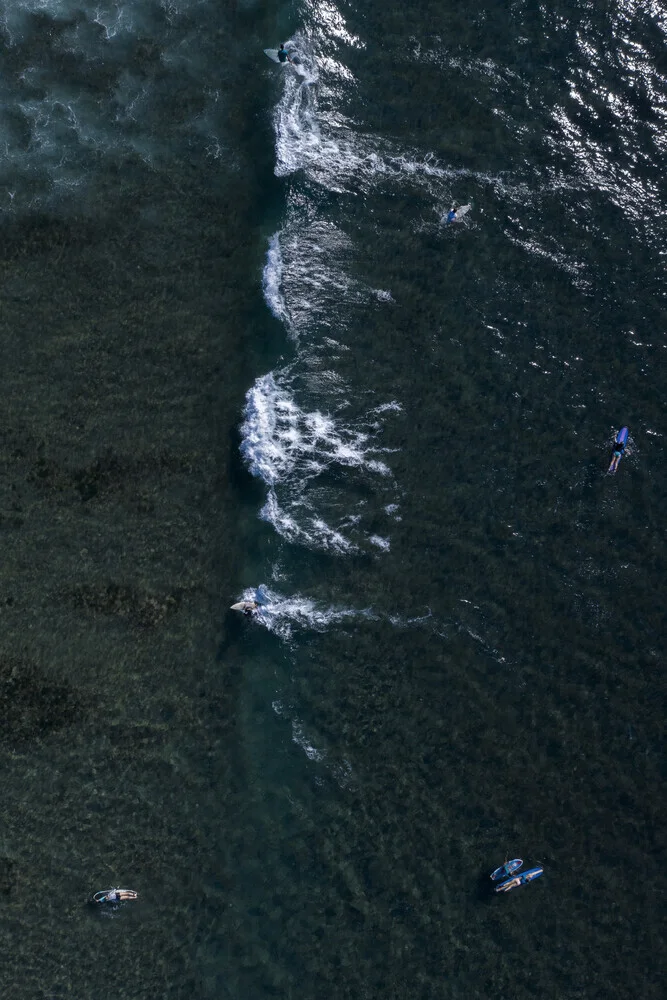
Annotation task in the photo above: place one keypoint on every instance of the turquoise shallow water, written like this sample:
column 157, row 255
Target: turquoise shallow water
column 243, row 355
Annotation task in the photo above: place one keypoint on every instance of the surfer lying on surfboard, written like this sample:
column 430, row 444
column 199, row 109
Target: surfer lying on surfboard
column 114, row 896
column 619, row 449
column 514, row 883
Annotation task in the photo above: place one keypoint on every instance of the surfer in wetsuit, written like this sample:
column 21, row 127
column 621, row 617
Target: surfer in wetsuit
column 114, row 896
column 283, row 54
column 617, row 454
column 451, row 215
column 250, row 608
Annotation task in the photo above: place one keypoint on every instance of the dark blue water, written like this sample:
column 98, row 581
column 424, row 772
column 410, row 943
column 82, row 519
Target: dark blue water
column 246, row 356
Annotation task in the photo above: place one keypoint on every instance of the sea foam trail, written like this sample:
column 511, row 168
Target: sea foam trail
column 289, row 615
column 284, row 615
column 290, row 448
column 347, row 159
column 324, row 143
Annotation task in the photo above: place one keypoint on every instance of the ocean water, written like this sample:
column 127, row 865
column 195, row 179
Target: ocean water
column 245, row 356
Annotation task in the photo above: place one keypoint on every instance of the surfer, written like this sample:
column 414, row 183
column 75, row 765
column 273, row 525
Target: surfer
column 283, row 54
column 619, row 449
column 246, row 607
column 113, row 896
column 512, row 883
column 455, row 214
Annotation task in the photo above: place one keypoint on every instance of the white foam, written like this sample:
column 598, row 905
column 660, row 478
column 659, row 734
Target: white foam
column 379, row 542
column 305, row 279
column 308, row 530
column 283, row 615
column 392, row 407
column 114, row 19
column 279, row 438
column 331, row 24
column 339, row 154
column 341, row 769
column 311, row 134
column 299, row 737
column 289, row 447
column 272, row 279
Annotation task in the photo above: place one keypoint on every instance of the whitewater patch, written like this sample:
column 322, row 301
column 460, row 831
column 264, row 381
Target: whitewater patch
column 311, row 531
column 314, row 136
column 332, row 153
column 311, row 460
column 305, row 279
column 323, row 142
column 279, row 438
column 272, row 282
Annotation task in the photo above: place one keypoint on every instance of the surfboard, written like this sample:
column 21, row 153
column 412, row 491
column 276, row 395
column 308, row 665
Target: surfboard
column 460, row 212
column 506, row 869
column 243, row 606
column 292, row 61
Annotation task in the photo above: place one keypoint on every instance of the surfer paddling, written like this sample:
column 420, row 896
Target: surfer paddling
column 619, row 450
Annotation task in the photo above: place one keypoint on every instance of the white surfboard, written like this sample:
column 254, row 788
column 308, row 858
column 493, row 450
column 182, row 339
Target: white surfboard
column 272, row 54
column 460, row 212
column 243, row 606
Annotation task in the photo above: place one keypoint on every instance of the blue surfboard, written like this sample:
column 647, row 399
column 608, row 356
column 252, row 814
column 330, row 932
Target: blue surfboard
column 522, row 879
column 506, row 869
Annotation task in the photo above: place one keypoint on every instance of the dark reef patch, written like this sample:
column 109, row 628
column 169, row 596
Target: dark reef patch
column 31, row 705
column 108, row 473
column 143, row 611
column 8, row 876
